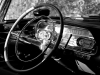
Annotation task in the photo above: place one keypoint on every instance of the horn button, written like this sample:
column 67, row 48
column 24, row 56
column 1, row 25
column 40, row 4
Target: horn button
column 43, row 35
column 44, row 30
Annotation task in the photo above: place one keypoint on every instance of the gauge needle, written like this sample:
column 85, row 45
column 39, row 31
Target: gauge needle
column 68, row 40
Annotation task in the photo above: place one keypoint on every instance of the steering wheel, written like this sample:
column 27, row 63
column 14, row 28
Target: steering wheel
column 42, row 37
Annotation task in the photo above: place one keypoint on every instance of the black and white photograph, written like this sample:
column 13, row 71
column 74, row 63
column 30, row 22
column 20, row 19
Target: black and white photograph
column 49, row 37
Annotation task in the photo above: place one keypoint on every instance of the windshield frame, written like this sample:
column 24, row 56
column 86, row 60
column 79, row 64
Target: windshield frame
column 4, row 8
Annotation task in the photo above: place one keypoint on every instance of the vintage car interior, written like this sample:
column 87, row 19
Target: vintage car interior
column 48, row 44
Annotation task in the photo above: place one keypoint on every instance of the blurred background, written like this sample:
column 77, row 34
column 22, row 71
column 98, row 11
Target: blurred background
column 69, row 8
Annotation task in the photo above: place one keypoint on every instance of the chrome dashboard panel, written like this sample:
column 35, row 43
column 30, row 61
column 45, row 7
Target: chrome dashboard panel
column 87, row 46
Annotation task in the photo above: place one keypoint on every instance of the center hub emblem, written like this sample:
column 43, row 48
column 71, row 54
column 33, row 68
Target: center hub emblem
column 44, row 35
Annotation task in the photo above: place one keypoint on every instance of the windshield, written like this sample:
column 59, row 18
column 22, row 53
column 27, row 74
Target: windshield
column 69, row 8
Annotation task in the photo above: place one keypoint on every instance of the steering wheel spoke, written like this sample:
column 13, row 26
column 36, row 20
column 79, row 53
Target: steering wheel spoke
column 29, row 40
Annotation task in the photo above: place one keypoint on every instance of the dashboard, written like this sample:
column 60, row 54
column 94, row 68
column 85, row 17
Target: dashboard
column 76, row 39
column 79, row 40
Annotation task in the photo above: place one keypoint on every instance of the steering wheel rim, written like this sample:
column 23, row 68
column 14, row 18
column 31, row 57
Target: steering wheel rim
column 18, row 20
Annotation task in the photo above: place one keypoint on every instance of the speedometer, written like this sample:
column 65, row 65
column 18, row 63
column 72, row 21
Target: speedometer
column 85, row 42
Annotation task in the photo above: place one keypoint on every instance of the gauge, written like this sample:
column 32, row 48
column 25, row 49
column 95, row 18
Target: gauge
column 85, row 42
